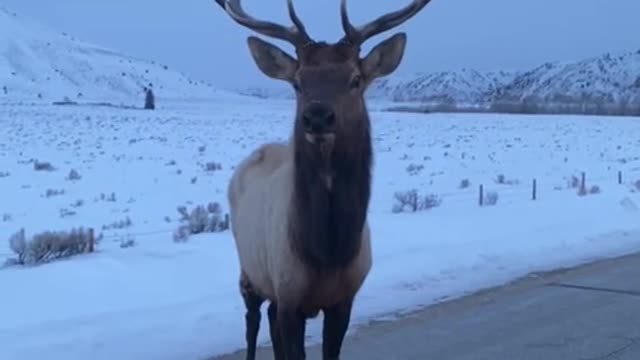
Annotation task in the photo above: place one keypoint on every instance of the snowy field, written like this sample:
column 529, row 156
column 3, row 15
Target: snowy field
column 164, row 300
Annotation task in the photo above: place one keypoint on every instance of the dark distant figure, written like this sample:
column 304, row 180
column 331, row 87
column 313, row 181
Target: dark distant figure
column 149, row 101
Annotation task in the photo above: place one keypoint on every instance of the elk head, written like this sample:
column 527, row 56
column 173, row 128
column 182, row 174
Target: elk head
column 329, row 79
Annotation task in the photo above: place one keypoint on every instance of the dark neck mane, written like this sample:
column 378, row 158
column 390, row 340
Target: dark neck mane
column 327, row 222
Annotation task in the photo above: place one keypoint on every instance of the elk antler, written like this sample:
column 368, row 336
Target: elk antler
column 359, row 35
column 296, row 34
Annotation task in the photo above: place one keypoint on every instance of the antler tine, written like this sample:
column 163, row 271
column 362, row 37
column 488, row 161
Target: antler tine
column 381, row 24
column 350, row 31
column 297, row 22
column 296, row 34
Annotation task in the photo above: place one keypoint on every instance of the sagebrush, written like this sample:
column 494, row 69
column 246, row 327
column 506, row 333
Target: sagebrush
column 74, row 175
column 43, row 166
column 51, row 245
column 412, row 201
column 201, row 219
column 584, row 191
column 490, row 198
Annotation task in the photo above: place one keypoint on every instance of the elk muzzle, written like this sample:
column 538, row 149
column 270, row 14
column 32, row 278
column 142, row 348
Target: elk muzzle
column 319, row 121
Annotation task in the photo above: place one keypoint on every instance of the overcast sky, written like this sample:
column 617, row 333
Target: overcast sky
column 198, row 38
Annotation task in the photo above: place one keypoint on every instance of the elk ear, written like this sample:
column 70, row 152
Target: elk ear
column 272, row 61
column 385, row 57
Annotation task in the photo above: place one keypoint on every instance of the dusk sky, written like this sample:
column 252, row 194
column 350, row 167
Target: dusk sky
column 198, row 38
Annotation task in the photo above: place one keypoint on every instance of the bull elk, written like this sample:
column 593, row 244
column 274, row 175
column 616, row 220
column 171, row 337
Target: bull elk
column 299, row 209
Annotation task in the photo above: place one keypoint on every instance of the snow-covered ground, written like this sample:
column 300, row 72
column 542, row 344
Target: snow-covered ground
column 164, row 300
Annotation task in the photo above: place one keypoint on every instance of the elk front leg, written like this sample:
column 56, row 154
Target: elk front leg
column 336, row 323
column 252, row 302
column 276, row 338
column 292, row 323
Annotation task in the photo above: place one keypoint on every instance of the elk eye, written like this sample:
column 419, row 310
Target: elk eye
column 356, row 82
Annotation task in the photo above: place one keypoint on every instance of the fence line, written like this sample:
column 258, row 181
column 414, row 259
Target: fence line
column 122, row 233
column 532, row 192
column 147, row 233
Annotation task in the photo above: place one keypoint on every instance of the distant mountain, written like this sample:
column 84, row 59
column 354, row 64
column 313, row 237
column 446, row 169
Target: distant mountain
column 37, row 63
column 604, row 79
column 465, row 86
column 607, row 79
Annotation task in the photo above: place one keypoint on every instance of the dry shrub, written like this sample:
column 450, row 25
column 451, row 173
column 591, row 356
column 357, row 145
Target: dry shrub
column 412, row 201
column 74, row 175
column 490, row 198
column 200, row 220
column 43, row 166
column 50, row 245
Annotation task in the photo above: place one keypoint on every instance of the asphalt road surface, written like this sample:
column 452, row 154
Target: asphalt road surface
column 587, row 313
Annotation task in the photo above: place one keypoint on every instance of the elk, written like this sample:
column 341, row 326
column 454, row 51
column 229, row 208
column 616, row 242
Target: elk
column 298, row 209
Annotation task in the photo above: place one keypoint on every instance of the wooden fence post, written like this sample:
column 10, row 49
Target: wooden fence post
column 583, row 183
column 92, row 240
column 534, row 194
column 620, row 177
column 226, row 221
column 481, row 198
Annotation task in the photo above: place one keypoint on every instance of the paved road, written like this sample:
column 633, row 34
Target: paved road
column 587, row 313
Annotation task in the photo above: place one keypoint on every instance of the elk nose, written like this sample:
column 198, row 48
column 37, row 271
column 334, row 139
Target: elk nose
column 318, row 118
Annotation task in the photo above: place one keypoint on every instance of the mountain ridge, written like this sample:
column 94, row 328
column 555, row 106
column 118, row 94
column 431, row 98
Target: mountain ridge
column 39, row 64
column 610, row 78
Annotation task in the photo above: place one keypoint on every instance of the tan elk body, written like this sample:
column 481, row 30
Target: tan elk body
column 299, row 209
column 261, row 189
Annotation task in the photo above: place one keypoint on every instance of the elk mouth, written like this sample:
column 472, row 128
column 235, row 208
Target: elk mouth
column 325, row 139
column 322, row 144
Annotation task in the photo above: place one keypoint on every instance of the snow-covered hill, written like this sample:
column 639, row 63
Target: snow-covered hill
column 465, row 86
column 36, row 63
column 610, row 78
column 606, row 79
